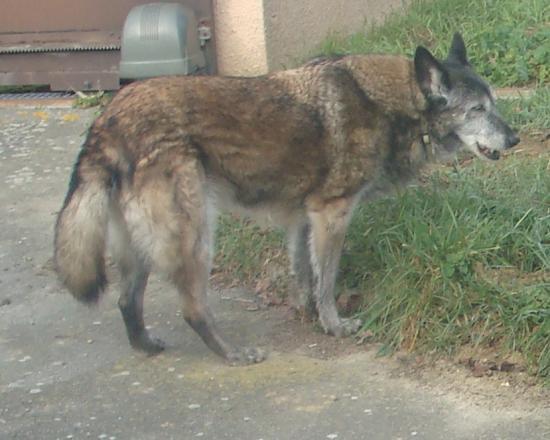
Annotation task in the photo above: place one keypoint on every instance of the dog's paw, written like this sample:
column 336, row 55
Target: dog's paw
column 345, row 327
column 246, row 356
column 351, row 326
column 147, row 344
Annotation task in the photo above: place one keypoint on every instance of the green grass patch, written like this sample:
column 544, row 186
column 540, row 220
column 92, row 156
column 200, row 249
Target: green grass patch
column 92, row 99
column 459, row 261
column 507, row 40
column 245, row 251
column 462, row 261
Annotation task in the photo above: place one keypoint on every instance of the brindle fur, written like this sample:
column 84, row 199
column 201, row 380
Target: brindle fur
column 300, row 147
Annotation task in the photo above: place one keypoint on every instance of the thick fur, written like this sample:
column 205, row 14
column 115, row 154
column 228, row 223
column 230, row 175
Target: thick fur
column 80, row 233
column 300, row 147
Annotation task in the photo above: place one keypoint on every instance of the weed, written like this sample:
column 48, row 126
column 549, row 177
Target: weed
column 87, row 100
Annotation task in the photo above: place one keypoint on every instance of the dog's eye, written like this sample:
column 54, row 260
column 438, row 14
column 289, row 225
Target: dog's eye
column 479, row 108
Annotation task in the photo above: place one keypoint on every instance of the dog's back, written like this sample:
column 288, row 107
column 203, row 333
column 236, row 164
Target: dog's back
column 302, row 146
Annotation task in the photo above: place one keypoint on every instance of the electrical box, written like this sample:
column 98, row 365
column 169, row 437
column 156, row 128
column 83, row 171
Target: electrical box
column 160, row 39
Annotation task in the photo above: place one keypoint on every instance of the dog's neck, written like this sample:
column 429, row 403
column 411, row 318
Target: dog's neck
column 389, row 80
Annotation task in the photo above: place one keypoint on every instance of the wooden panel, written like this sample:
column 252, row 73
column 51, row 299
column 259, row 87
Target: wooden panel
column 26, row 16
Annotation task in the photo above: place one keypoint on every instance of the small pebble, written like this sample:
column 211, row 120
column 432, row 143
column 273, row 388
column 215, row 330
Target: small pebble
column 332, row 436
column 194, row 406
column 246, row 419
column 171, row 369
column 354, row 397
column 35, row 391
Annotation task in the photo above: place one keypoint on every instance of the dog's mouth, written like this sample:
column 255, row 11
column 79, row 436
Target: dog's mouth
column 487, row 152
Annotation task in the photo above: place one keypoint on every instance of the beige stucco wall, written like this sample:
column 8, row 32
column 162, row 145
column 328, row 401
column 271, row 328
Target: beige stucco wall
column 294, row 28
column 240, row 37
column 256, row 36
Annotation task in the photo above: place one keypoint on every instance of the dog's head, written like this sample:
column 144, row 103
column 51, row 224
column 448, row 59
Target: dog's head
column 461, row 109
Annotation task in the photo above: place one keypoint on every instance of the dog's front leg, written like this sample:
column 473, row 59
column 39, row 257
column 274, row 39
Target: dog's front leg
column 301, row 295
column 329, row 221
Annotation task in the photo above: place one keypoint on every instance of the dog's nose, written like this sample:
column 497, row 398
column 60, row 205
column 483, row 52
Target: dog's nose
column 512, row 140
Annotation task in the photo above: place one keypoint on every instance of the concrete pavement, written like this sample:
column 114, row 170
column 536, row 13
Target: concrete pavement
column 68, row 372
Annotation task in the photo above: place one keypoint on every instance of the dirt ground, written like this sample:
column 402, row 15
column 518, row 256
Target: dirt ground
column 67, row 371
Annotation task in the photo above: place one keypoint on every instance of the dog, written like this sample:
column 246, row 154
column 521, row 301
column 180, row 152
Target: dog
column 301, row 147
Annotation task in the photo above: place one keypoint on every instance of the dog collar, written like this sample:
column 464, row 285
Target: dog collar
column 428, row 147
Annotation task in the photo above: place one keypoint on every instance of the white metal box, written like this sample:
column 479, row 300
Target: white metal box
column 160, row 39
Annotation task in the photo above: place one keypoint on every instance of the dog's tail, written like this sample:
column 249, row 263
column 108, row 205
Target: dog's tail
column 81, row 227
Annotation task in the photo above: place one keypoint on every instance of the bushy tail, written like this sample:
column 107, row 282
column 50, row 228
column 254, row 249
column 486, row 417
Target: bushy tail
column 81, row 231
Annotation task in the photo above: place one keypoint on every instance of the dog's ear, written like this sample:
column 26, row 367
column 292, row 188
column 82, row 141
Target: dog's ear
column 457, row 53
column 431, row 76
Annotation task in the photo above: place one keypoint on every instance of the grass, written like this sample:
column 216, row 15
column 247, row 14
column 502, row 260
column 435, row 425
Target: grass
column 459, row 261
column 462, row 261
column 530, row 113
column 92, row 99
column 245, row 250
column 507, row 40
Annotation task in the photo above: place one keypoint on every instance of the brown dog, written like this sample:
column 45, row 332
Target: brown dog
column 301, row 147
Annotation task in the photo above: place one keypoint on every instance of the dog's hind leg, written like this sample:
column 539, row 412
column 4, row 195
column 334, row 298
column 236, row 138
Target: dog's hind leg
column 182, row 226
column 131, row 306
column 191, row 280
column 329, row 221
column 298, row 235
column 134, row 274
